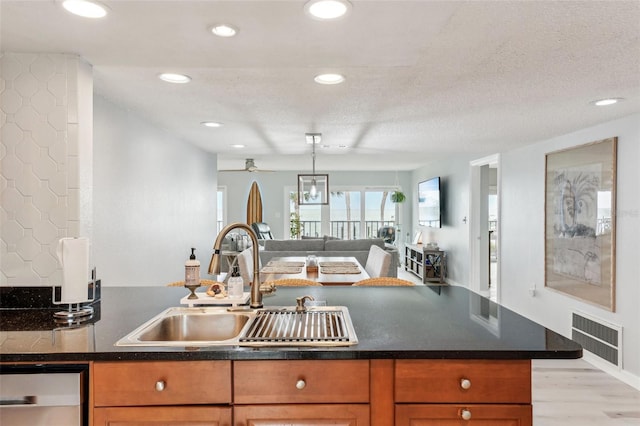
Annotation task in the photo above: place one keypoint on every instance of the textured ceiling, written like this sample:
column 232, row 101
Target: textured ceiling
column 425, row 79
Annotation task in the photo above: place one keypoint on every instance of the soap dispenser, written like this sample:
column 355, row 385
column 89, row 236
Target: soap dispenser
column 235, row 284
column 192, row 274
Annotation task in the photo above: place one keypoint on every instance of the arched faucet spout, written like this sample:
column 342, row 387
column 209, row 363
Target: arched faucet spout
column 214, row 265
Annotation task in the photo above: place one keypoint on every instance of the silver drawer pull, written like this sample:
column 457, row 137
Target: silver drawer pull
column 465, row 414
column 465, row 383
column 160, row 385
column 300, row 384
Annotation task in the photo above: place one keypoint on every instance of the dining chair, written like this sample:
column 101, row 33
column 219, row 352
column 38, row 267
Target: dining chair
column 262, row 230
column 293, row 282
column 378, row 262
column 384, row 281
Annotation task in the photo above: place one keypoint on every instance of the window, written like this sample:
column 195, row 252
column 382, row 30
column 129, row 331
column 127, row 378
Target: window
column 380, row 211
column 304, row 220
column 352, row 213
column 345, row 214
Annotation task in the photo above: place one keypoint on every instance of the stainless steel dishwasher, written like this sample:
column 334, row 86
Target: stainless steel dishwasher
column 35, row 395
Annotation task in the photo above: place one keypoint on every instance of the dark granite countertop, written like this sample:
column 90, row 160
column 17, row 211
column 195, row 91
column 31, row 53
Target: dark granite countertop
column 419, row 322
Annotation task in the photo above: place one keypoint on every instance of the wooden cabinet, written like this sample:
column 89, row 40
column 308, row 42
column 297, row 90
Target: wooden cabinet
column 479, row 392
column 429, row 265
column 380, row 392
column 305, row 392
column 182, row 393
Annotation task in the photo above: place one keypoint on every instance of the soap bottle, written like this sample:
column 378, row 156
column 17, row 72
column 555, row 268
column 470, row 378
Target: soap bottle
column 235, row 284
column 192, row 271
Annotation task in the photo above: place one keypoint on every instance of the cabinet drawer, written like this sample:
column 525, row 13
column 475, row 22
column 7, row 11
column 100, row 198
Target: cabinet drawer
column 161, row 383
column 149, row 416
column 463, row 381
column 471, row 415
column 258, row 382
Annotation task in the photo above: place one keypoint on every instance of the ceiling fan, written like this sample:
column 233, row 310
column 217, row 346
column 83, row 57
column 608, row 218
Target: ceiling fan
column 249, row 166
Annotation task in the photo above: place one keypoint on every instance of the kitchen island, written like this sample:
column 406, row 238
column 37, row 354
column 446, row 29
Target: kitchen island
column 429, row 353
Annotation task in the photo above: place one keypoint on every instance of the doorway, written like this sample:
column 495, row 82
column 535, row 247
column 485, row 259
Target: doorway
column 484, row 226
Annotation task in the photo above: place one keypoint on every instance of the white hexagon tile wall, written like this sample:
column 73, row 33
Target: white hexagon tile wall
column 46, row 119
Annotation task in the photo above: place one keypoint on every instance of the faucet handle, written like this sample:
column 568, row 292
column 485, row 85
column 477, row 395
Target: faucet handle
column 267, row 288
column 300, row 303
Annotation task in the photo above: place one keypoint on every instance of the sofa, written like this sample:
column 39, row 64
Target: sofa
column 328, row 247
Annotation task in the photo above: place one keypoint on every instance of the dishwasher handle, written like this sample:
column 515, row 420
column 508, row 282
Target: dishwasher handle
column 25, row 400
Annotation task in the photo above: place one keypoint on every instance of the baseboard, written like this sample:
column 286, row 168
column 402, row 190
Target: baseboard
column 455, row 283
column 623, row 376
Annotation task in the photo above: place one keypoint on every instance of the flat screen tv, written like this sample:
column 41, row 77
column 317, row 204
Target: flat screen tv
column 429, row 203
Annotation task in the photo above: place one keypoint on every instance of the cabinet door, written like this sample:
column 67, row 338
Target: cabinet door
column 469, row 415
column 309, row 414
column 162, row 416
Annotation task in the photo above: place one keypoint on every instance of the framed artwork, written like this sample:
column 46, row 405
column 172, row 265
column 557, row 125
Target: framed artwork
column 580, row 222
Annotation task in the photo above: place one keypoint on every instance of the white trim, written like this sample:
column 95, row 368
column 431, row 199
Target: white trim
column 612, row 370
column 490, row 160
column 223, row 189
column 475, row 227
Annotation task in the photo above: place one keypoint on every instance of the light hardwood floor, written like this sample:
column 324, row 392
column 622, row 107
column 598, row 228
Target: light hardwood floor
column 575, row 393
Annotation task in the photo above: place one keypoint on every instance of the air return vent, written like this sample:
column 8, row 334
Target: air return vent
column 598, row 337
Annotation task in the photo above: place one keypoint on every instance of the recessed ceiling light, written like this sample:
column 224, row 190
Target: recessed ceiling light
column 329, row 78
column 224, row 30
column 313, row 138
column 211, row 124
column 327, row 9
column 174, row 78
column 85, row 8
column 605, row 102
column 237, row 146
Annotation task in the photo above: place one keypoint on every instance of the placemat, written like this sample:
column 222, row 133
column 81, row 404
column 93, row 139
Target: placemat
column 285, row 263
column 339, row 264
column 339, row 270
column 281, row 270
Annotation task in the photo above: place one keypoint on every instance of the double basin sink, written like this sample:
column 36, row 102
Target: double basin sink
column 217, row 326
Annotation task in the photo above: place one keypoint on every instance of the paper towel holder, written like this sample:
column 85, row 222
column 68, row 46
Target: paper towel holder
column 76, row 313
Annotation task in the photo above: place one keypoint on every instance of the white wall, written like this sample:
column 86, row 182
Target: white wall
column 154, row 198
column 523, row 237
column 453, row 236
column 272, row 190
column 522, row 234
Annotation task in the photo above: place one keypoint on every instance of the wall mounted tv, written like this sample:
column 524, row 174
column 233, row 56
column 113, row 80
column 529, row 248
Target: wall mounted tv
column 429, row 203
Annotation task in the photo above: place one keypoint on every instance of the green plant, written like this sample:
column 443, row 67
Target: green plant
column 398, row 197
column 295, row 227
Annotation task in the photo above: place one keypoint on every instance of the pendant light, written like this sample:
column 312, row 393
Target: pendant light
column 313, row 188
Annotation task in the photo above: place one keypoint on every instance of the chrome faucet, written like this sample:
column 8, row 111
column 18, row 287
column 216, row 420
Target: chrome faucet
column 214, row 265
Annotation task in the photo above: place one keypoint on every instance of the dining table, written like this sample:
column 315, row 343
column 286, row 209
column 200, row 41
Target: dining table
column 329, row 270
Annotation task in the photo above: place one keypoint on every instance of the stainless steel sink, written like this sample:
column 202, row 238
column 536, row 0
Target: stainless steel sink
column 189, row 327
column 216, row 326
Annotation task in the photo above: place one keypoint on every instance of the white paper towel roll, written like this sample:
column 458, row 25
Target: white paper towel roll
column 73, row 255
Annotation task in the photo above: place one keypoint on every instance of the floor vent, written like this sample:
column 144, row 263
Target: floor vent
column 598, row 337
